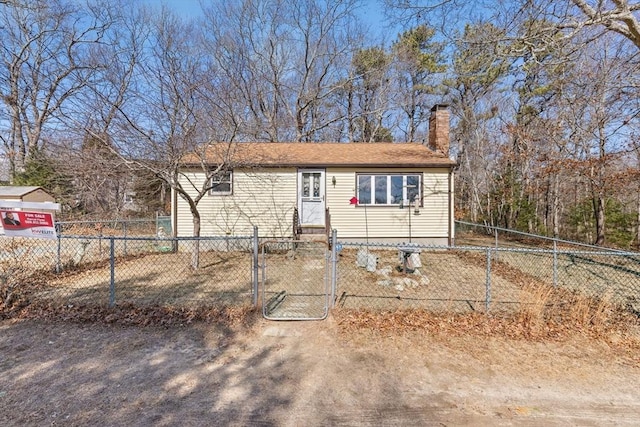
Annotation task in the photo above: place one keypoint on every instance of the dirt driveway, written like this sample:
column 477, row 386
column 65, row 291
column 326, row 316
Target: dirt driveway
column 305, row 374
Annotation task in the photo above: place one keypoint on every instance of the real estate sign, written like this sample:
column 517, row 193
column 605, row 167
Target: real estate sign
column 28, row 224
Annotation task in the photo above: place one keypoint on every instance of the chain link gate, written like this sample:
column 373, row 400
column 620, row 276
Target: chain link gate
column 296, row 280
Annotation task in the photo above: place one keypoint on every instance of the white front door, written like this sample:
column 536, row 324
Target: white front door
column 311, row 196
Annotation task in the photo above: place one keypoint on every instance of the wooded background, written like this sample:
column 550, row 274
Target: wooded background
column 100, row 100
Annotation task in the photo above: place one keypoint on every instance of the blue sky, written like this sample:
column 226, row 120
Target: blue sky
column 371, row 13
column 188, row 8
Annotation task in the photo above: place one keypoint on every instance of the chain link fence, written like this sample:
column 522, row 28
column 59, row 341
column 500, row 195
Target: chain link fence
column 104, row 271
column 296, row 280
column 388, row 277
column 471, row 234
column 113, row 227
column 458, row 279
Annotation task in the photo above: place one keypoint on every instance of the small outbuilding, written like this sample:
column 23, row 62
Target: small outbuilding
column 24, row 194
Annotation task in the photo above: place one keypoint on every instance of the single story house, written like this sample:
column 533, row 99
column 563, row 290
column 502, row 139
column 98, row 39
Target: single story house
column 383, row 192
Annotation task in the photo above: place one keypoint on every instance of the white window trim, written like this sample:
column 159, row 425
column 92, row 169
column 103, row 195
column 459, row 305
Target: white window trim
column 404, row 176
column 213, row 192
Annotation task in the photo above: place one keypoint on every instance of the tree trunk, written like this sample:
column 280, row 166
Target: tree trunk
column 598, row 210
column 195, row 254
column 638, row 223
column 598, row 192
column 555, row 206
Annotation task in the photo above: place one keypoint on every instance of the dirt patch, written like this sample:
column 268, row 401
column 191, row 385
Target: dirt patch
column 446, row 282
column 223, row 277
column 352, row 369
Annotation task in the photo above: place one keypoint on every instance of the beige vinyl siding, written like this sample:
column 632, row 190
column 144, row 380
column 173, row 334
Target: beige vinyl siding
column 266, row 198
column 263, row 198
column 389, row 221
column 38, row 196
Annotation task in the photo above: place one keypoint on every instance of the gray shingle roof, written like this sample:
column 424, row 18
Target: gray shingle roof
column 15, row 191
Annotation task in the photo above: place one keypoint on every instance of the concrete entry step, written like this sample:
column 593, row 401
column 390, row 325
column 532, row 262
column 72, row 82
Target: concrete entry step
column 310, row 247
column 313, row 229
column 313, row 237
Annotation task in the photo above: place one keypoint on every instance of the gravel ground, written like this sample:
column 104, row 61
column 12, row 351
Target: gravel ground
column 306, row 373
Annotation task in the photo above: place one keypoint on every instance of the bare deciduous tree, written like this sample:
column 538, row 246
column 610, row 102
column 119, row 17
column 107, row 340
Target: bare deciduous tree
column 569, row 17
column 160, row 125
column 44, row 65
column 282, row 64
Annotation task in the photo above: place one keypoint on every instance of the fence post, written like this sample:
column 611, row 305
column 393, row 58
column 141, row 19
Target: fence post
column 124, row 232
column 59, row 260
column 555, row 263
column 334, row 266
column 488, row 282
column 112, row 265
column 99, row 225
column 256, row 248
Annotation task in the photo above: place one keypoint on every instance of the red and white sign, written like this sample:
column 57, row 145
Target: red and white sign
column 28, row 224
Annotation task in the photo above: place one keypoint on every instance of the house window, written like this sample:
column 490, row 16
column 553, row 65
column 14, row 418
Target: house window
column 390, row 190
column 311, row 184
column 221, row 184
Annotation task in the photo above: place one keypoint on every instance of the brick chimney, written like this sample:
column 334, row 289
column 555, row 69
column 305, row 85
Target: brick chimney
column 439, row 129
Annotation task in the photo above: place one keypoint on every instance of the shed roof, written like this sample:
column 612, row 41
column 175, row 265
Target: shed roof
column 326, row 154
column 17, row 191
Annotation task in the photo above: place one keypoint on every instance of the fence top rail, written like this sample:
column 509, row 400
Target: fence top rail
column 537, row 236
column 264, row 243
column 155, row 238
column 426, row 247
column 106, row 221
column 562, row 251
column 404, row 245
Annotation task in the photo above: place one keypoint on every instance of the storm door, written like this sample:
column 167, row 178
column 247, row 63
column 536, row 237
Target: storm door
column 311, row 200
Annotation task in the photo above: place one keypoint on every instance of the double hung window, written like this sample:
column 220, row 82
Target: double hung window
column 222, row 183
